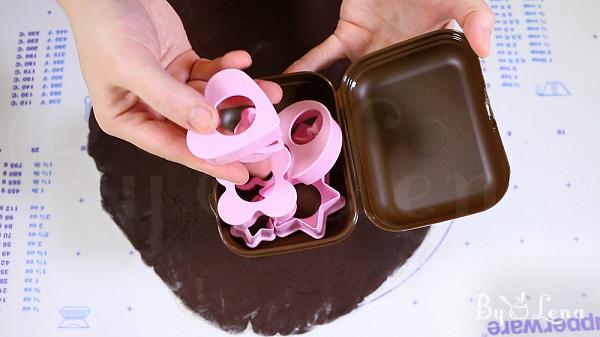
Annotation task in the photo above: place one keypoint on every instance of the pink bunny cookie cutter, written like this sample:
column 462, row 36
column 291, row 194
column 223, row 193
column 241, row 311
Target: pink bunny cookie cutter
column 313, row 154
column 314, row 225
column 259, row 133
column 255, row 182
column 261, row 187
column 279, row 202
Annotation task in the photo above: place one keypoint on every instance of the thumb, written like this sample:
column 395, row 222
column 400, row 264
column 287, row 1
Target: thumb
column 173, row 99
column 320, row 57
column 477, row 21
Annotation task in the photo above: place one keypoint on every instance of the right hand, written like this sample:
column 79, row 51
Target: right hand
column 369, row 25
column 145, row 80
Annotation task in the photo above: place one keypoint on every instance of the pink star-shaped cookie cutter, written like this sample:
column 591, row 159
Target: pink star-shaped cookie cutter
column 266, row 233
column 314, row 225
column 252, row 241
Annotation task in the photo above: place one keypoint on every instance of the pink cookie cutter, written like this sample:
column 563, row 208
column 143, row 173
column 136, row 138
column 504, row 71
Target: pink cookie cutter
column 264, row 153
column 314, row 225
column 315, row 158
column 262, row 234
column 305, row 133
column 247, row 117
column 262, row 131
column 263, row 187
column 279, row 202
column 252, row 241
column 255, row 182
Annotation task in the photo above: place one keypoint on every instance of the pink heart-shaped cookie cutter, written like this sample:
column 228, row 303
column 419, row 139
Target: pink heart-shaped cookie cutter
column 218, row 148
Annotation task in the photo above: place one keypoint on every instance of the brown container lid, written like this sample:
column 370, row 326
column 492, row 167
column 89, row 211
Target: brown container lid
column 422, row 139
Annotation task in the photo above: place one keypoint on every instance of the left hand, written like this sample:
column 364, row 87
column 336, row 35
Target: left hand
column 369, row 25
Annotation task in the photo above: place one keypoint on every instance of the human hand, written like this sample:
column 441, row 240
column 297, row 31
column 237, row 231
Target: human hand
column 369, row 25
column 145, row 80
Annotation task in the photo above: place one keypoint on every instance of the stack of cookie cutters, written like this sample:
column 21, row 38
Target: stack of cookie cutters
column 421, row 145
column 301, row 143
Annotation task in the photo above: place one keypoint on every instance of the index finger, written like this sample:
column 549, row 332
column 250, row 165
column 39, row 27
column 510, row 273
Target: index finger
column 166, row 140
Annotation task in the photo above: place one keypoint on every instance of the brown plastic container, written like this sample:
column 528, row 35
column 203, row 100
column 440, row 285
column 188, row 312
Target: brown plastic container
column 421, row 144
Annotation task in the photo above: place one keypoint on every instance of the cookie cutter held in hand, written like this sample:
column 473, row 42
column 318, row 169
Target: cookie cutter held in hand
column 263, row 131
column 246, row 119
column 315, row 158
column 263, row 153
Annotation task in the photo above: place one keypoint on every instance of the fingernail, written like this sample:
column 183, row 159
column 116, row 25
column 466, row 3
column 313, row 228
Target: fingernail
column 201, row 119
column 484, row 39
